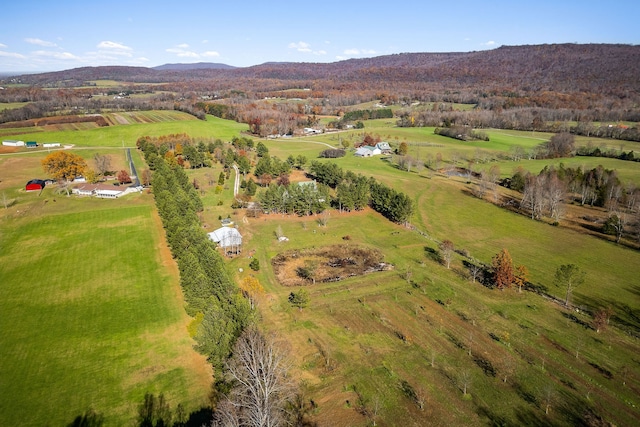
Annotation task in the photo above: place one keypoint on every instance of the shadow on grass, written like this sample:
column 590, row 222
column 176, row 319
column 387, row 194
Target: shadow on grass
column 433, row 254
column 201, row 417
column 623, row 316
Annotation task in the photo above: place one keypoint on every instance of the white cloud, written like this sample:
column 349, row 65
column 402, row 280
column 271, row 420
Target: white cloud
column 2, row 46
column 182, row 53
column 300, row 46
column 113, row 48
column 210, row 54
column 356, row 52
column 183, row 46
column 40, row 42
column 306, row 48
column 12, row 55
column 56, row 55
column 489, row 43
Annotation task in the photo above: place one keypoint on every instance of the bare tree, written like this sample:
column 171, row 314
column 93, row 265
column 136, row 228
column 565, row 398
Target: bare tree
column 533, row 195
column 508, row 367
column 556, row 192
column 6, row 202
column 548, row 397
column 433, row 353
column 103, row 163
column 261, row 389
column 465, row 380
column 569, row 276
column 475, row 271
column 446, row 249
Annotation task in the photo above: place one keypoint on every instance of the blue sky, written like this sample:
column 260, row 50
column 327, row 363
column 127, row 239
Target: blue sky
column 37, row 36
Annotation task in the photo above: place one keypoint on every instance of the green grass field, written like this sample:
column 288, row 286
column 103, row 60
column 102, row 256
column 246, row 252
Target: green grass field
column 90, row 317
column 382, row 344
column 167, row 122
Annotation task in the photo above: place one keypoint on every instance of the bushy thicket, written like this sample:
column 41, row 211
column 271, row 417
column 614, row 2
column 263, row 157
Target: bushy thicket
column 463, row 133
column 206, row 286
column 383, row 113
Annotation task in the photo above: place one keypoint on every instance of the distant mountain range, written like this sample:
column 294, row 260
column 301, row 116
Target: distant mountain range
column 195, row 66
column 566, row 67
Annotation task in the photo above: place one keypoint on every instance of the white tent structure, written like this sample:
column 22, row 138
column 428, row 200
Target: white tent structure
column 228, row 238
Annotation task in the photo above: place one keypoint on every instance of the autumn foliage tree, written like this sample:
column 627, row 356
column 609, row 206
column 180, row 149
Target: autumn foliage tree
column 252, row 290
column 64, row 166
column 503, row 272
column 123, row 177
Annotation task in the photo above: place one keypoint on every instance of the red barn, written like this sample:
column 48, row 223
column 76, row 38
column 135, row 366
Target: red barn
column 35, row 185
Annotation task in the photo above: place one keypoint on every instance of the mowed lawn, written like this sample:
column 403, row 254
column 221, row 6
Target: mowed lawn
column 90, row 318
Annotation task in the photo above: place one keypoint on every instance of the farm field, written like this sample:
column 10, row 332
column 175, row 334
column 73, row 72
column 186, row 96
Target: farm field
column 419, row 342
column 92, row 314
column 131, row 127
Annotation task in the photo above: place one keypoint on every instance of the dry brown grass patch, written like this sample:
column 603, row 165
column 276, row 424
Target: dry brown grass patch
column 327, row 264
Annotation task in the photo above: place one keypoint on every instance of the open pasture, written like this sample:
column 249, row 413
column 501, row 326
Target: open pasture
column 364, row 343
column 362, row 340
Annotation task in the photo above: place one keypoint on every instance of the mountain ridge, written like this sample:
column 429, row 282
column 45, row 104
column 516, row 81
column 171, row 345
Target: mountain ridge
column 570, row 67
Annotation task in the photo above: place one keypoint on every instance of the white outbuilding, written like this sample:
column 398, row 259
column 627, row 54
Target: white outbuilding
column 228, row 238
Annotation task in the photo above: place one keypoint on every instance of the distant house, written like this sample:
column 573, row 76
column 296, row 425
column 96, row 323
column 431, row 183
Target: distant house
column 35, row 185
column 102, row 191
column 32, row 144
column 228, row 238
column 51, row 144
column 384, row 147
column 367, row 151
column 12, row 143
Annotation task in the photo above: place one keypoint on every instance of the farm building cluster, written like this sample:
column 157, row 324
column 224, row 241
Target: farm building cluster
column 102, row 191
column 28, row 144
column 376, row 150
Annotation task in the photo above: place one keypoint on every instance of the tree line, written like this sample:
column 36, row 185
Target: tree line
column 352, row 191
column 210, row 295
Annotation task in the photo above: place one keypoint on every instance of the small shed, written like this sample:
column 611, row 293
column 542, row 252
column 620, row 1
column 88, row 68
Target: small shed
column 35, row 185
column 32, row 144
column 228, row 238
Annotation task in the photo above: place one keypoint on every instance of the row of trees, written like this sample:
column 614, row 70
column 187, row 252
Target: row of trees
column 526, row 119
column 300, row 199
column 545, row 192
column 352, row 191
column 209, row 293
